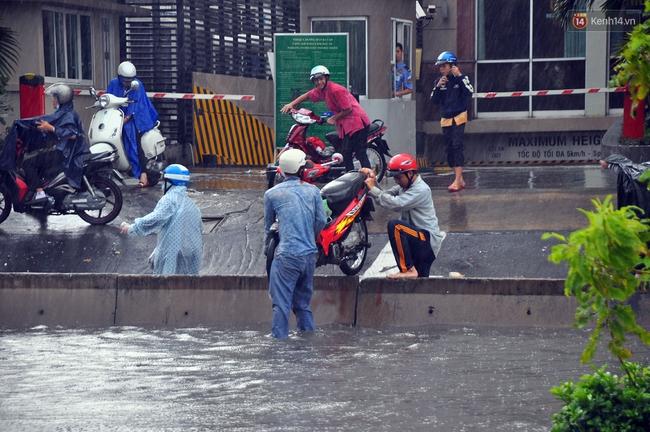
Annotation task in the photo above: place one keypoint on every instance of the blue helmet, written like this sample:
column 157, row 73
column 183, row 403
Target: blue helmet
column 177, row 174
column 446, row 57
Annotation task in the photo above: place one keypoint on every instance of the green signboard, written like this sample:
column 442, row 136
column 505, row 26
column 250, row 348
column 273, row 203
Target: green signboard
column 295, row 55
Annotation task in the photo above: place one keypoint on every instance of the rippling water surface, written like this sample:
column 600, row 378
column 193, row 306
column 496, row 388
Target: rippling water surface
column 336, row 378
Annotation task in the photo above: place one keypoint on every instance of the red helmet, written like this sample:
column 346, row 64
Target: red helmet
column 401, row 163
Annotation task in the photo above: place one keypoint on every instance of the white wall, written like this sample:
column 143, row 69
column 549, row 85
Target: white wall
column 399, row 117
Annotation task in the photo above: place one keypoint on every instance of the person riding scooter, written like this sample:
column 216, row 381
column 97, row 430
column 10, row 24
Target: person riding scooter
column 139, row 117
column 49, row 144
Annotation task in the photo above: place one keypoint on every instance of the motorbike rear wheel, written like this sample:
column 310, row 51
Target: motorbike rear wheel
column 5, row 203
column 353, row 265
column 377, row 162
column 113, row 202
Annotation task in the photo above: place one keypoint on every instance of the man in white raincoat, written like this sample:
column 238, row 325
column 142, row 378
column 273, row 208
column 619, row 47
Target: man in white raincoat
column 177, row 220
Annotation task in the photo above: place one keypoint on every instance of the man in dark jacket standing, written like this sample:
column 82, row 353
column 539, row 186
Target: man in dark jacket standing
column 452, row 91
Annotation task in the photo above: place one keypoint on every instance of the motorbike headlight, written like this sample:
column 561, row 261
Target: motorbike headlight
column 103, row 101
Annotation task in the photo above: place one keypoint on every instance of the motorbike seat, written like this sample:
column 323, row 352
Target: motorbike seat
column 374, row 127
column 332, row 137
column 340, row 192
column 92, row 156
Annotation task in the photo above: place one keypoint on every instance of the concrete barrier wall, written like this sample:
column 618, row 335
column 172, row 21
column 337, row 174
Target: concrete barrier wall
column 69, row 300
column 520, row 302
column 32, row 299
column 193, row 300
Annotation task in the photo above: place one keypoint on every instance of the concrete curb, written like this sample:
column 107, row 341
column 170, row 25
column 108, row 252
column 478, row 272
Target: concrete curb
column 72, row 300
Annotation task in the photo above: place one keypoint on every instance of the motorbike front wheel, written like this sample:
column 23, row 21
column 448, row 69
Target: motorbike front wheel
column 113, row 205
column 270, row 255
column 5, row 203
column 353, row 265
column 377, row 162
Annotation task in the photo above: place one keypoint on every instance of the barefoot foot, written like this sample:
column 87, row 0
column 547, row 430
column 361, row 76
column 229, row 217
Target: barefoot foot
column 411, row 273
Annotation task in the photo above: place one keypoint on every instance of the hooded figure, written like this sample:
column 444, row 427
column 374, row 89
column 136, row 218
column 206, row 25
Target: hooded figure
column 140, row 116
column 67, row 136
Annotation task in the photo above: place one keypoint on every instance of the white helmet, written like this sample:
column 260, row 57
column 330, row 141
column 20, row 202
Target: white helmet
column 292, row 160
column 126, row 70
column 62, row 92
column 319, row 71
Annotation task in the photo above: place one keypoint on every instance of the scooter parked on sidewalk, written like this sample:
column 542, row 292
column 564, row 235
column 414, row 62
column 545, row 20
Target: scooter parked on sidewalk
column 319, row 153
column 344, row 239
column 105, row 133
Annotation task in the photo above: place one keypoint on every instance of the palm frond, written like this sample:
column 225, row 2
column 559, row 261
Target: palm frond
column 9, row 49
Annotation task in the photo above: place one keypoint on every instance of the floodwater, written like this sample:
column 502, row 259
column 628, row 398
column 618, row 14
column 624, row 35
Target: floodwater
column 334, row 379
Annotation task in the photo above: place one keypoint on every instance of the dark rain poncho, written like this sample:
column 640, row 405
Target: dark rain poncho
column 67, row 123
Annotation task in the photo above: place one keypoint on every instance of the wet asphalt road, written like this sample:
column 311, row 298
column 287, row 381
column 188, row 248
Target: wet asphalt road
column 494, row 226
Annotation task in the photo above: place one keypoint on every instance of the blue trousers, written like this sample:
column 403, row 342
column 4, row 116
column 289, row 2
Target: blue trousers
column 411, row 247
column 291, row 285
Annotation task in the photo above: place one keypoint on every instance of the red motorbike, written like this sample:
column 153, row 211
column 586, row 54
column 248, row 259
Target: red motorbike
column 319, row 153
column 344, row 239
column 98, row 202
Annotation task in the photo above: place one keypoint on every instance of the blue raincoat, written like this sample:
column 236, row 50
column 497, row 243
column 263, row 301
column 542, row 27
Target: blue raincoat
column 67, row 123
column 144, row 117
column 177, row 220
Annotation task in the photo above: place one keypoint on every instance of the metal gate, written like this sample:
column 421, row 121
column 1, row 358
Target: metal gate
column 225, row 37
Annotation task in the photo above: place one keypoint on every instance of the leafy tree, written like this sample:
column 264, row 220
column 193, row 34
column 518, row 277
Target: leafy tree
column 9, row 49
column 608, row 262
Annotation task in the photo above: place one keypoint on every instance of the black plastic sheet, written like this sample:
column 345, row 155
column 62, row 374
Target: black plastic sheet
column 630, row 190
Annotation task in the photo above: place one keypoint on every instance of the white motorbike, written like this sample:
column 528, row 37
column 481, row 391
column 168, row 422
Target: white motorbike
column 105, row 134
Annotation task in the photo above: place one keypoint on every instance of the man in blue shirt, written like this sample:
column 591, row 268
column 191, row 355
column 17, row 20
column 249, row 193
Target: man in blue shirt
column 403, row 85
column 301, row 215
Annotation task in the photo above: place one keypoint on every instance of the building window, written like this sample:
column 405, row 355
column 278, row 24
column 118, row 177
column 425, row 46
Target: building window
column 520, row 48
column 357, row 43
column 67, row 43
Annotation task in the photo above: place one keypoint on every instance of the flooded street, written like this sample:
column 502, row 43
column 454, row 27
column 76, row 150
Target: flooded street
column 336, row 378
column 443, row 378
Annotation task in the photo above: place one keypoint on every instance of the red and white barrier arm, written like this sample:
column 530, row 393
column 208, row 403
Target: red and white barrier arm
column 152, row 95
column 547, row 92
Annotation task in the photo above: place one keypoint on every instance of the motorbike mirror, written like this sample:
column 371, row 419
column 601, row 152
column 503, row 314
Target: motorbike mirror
column 337, row 157
column 93, row 92
column 135, row 85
